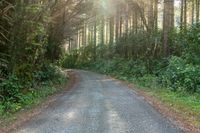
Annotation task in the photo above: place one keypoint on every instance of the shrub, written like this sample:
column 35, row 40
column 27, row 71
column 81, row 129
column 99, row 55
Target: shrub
column 181, row 76
column 10, row 88
column 192, row 39
column 48, row 72
column 14, row 94
column 10, row 93
column 191, row 80
column 70, row 60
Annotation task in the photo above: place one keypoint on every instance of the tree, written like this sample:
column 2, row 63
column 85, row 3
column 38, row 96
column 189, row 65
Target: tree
column 168, row 24
column 111, row 25
column 197, row 10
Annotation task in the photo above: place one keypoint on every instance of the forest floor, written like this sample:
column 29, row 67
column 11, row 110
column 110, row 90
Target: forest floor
column 100, row 104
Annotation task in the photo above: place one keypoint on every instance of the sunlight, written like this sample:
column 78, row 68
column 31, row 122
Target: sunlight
column 107, row 6
column 103, row 4
column 70, row 115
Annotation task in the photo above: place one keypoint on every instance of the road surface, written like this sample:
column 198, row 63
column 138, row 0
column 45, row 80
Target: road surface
column 98, row 104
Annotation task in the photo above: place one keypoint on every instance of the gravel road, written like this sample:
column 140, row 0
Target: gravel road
column 98, row 104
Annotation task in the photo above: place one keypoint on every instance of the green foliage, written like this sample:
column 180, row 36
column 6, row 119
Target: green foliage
column 34, row 96
column 85, row 56
column 182, row 76
column 15, row 93
column 182, row 73
column 192, row 38
column 142, row 45
column 105, row 51
column 120, row 67
column 70, row 60
column 177, row 75
column 10, row 88
column 148, row 81
column 31, row 46
column 24, row 72
column 31, row 38
column 48, row 72
column 80, row 58
column 139, row 57
column 10, row 93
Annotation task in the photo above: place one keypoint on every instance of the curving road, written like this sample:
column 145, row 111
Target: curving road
column 98, row 104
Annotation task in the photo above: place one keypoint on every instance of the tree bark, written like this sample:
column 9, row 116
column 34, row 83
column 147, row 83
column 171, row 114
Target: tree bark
column 168, row 24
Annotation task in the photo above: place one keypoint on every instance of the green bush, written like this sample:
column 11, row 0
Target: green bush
column 192, row 78
column 191, row 43
column 120, row 67
column 48, row 72
column 137, row 68
column 10, row 88
column 177, row 75
column 10, row 93
column 182, row 76
column 14, row 95
column 173, row 75
column 70, row 60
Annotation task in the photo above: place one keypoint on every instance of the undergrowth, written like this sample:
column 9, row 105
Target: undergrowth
column 16, row 95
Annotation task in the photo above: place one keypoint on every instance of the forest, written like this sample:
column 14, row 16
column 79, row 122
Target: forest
column 141, row 40
column 152, row 43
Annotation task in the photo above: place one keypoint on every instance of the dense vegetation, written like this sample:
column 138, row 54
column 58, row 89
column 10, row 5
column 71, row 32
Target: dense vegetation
column 179, row 72
column 31, row 45
column 137, row 39
column 154, row 43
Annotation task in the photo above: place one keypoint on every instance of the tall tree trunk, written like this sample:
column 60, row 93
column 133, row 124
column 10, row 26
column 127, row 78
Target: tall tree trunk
column 185, row 15
column 79, row 38
column 111, row 31
column 84, row 37
column 197, row 11
column 126, row 21
column 193, row 10
column 126, row 29
column 155, row 15
column 150, row 15
column 117, row 18
column 181, row 17
column 136, row 22
column 95, row 37
column 102, row 30
column 107, row 31
column 168, row 24
column 121, row 22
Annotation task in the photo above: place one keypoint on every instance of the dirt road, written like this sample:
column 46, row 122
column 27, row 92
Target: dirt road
column 99, row 104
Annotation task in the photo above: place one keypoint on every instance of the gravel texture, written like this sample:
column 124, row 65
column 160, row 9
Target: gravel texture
column 99, row 104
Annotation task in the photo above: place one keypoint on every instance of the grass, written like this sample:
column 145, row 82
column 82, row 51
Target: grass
column 186, row 105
